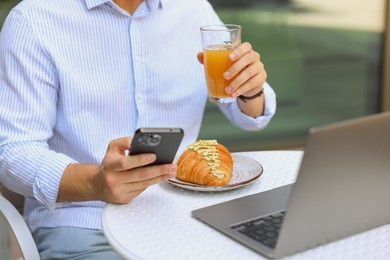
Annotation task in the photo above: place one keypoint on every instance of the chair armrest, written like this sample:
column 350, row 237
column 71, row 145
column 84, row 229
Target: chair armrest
column 19, row 227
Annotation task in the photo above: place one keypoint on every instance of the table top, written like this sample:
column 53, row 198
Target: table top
column 158, row 223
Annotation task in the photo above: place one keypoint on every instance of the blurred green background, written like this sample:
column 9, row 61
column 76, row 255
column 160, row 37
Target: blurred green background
column 320, row 74
column 323, row 60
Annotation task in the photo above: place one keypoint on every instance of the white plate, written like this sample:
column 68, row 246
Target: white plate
column 245, row 171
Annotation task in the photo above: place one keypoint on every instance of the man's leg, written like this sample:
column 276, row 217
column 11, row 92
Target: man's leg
column 73, row 243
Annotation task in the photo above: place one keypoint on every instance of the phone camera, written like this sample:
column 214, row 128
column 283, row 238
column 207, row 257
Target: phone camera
column 154, row 140
column 150, row 140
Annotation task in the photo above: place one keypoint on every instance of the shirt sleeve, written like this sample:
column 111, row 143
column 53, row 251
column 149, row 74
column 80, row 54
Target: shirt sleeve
column 233, row 112
column 29, row 95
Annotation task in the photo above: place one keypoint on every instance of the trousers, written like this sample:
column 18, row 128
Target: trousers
column 73, row 243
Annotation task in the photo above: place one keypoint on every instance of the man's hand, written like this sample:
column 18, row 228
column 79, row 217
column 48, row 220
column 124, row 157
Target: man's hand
column 118, row 179
column 250, row 77
column 250, row 71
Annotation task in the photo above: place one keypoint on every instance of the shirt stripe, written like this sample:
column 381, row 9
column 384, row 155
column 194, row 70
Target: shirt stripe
column 76, row 74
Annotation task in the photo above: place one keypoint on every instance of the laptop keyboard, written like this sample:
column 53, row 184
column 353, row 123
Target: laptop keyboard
column 264, row 229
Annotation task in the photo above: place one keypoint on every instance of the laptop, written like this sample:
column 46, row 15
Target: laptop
column 342, row 188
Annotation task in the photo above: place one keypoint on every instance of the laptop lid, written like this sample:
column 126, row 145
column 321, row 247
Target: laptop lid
column 342, row 188
column 343, row 185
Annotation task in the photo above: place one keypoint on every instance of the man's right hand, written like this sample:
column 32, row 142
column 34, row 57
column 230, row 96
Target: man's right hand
column 118, row 179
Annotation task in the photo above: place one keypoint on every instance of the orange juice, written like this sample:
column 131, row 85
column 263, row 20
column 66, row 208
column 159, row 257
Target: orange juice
column 216, row 63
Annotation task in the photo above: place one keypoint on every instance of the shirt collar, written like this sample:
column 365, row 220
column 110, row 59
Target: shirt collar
column 153, row 4
column 93, row 3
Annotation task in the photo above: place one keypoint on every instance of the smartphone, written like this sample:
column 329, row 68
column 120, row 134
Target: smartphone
column 163, row 142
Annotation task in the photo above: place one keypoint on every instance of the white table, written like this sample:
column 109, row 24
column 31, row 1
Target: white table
column 158, row 223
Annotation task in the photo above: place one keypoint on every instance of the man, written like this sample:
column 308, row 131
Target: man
column 78, row 75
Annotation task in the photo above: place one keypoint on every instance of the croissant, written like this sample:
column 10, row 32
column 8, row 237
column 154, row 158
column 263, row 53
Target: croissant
column 205, row 162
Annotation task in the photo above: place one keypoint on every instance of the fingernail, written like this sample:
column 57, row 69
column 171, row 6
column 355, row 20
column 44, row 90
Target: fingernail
column 234, row 95
column 228, row 90
column 226, row 75
column 232, row 56
column 173, row 168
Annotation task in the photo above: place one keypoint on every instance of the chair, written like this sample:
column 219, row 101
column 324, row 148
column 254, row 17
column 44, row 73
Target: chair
column 13, row 227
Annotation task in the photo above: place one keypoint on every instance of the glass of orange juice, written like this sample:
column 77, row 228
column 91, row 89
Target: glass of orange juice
column 218, row 41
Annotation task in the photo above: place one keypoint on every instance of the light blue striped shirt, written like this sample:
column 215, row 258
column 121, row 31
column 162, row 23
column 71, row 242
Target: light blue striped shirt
column 75, row 74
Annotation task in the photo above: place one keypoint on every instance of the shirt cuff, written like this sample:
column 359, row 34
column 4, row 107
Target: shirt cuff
column 47, row 182
column 252, row 124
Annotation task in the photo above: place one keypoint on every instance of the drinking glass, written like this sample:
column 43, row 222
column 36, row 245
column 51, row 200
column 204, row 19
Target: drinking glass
column 218, row 41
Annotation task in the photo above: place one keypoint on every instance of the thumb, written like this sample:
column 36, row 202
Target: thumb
column 119, row 145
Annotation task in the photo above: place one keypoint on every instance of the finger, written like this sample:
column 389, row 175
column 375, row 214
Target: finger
column 125, row 186
column 241, row 64
column 250, row 87
column 200, row 57
column 139, row 160
column 119, row 145
column 116, row 180
column 130, row 190
column 142, row 185
column 240, row 51
column 246, row 74
column 119, row 163
column 165, row 171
